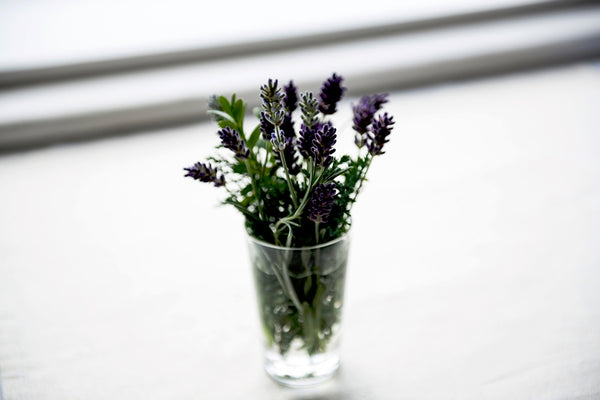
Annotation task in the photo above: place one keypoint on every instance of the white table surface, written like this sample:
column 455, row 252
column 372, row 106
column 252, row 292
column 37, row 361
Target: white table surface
column 474, row 273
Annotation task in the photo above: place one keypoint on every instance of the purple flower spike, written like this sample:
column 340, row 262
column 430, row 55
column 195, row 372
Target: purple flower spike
column 379, row 100
column 230, row 138
column 272, row 102
column 290, row 97
column 266, row 128
column 205, row 173
column 287, row 127
column 321, row 202
column 286, row 149
column 322, row 145
column 365, row 110
column 307, row 134
column 331, row 93
column 380, row 130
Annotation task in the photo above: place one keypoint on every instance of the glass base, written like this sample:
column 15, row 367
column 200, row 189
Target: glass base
column 300, row 293
column 301, row 370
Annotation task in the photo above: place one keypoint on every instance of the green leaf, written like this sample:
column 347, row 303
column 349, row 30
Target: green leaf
column 246, row 201
column 344, row 159
column 246, row 190
column 225, row 106
column 237, row 111
column 240, row 168
column 222, row 115
column 225, row 123
column 331, row 175
column 263, row 144
column 254, row 136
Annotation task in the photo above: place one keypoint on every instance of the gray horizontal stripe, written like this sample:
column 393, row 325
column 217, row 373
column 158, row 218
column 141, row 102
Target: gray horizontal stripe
column 15, row 78
column 28, row 134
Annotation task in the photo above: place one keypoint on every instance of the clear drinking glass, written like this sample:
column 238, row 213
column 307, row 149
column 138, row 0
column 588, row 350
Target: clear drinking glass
column 300, row 293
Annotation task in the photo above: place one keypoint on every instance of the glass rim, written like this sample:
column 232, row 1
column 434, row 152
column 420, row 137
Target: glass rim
column 317, row 246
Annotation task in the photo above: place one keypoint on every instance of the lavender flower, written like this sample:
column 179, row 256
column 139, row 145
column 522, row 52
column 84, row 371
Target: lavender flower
column 307, row 134
column 230, row 138
column 365, row 110
column 310, row 108
column 322, row 144
column 321, row 202
column 266, row 128
column 272, row 102
column 331, row 93
column 380, row 130
column 287, row 148
column 287, row 127
column 205, row 173
column 290, row 98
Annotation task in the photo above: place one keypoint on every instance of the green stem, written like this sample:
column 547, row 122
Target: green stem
column 288, row 178
column 288, row 285
column 363, row 173
column 284, row 278
column 298, row 212
column 255, row 190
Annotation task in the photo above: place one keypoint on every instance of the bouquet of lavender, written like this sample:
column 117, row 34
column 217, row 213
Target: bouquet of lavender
column 295, row 194
column 288, row 185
